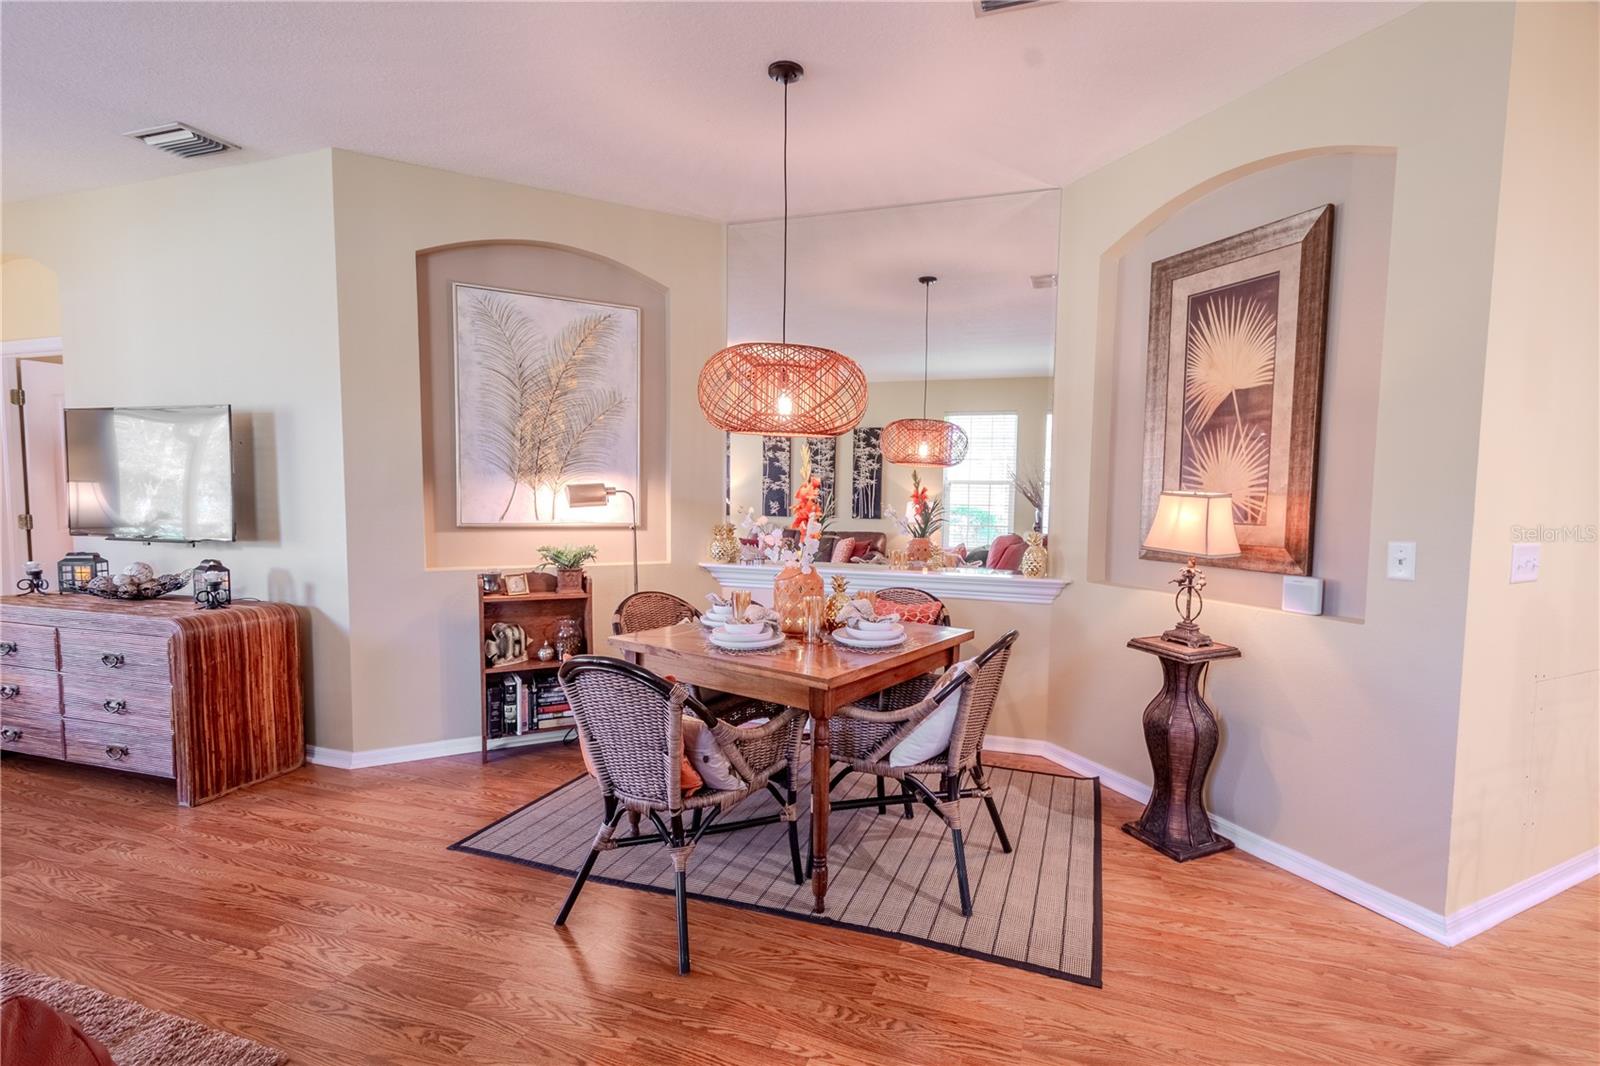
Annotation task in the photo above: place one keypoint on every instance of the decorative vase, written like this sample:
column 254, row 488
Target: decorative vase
column 789, row 591
column 724, row 544
column 837, row 602
column 919, row 549
column 569, row 580
column 1035, row 560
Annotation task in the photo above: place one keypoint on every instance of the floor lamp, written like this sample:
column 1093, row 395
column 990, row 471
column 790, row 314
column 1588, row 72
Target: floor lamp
column 596, row 494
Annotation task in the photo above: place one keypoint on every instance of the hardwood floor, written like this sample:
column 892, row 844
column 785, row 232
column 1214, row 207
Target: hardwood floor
column 321, row 913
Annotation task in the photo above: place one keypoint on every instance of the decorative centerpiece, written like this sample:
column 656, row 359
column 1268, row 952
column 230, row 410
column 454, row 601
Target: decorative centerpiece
column 1035, row 560
column 837, row 602
column 750, row 534
column 923, row 518
column 798, row 579
column 724, row 544
column 568, row 562
column 137, row 581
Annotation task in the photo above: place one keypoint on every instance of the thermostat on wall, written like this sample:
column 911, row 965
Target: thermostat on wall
column 1302, row 595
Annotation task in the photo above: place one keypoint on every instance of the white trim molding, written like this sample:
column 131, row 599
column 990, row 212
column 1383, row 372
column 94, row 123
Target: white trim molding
column 1448, row 930
column 31, row 348
column 956, row 583
column 360, row 760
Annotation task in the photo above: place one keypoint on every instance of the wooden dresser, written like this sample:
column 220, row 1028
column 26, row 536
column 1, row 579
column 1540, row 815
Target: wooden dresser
column 210, row 699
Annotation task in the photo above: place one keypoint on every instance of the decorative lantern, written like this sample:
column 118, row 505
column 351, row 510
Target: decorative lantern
column 213, row 585
column 924, row 441
column 74, row 572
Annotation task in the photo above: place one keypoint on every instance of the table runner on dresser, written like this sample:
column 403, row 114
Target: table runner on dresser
column 1037, row 908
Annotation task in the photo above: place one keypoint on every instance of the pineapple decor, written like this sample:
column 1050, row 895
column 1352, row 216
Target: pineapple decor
column 837, row 602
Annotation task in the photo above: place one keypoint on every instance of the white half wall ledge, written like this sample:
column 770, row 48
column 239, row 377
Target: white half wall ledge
column 1449, row 930
column 32, row 347
column 950, row 584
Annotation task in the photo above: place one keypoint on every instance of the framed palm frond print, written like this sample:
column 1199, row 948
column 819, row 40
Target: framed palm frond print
column 1232, row 402
column 547, row 393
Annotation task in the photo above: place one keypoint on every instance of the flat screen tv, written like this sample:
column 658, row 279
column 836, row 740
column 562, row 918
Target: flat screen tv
column 150, row 473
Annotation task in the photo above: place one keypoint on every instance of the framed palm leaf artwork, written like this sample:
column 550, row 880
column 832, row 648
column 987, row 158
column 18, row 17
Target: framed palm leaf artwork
column 547, row 393
column 1232, row 404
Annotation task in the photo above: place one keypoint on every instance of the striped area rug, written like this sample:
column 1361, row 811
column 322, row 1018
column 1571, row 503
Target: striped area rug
column 1037, row 908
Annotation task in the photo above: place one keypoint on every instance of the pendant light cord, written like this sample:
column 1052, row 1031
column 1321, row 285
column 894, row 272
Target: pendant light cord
column 927, row 300
column 783, row 330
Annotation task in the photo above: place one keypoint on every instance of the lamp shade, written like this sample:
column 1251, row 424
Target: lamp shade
column 1196, row 524
column 923, row 442
column 587, row 494
column 786, row 390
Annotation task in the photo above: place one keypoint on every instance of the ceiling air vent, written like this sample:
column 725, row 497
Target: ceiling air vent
column 989, row 7
column 1043, row 281
column 176, row 139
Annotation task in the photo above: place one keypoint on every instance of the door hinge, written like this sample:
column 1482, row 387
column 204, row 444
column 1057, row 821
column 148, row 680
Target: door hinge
column 24, row 521
column 18, row 397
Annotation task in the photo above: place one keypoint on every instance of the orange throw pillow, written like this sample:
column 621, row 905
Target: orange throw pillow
column 926, row 613
column 688, row 779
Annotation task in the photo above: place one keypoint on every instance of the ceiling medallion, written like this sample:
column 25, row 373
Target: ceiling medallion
column 774, row 387
column 924, row 441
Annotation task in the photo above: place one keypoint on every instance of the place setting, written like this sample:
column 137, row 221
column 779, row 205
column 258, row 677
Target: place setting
column 863, row 629
column 736, row 624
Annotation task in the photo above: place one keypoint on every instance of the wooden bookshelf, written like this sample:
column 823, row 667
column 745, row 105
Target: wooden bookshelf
column 538, row 613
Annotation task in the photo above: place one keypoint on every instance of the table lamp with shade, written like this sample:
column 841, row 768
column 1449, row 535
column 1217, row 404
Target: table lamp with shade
column 1196, row 525
column 597, row 494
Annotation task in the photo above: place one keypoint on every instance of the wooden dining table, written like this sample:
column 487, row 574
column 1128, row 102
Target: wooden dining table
column 817, row 678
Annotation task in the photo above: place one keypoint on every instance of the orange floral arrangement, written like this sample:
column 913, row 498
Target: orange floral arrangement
column 807, row 502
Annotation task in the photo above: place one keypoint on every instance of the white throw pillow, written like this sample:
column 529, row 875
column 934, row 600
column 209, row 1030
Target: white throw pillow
column 706, row 758
column 931, row 738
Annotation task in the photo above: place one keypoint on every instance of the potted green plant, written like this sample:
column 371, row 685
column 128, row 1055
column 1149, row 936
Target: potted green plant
column 568, row 562
column 924, row 517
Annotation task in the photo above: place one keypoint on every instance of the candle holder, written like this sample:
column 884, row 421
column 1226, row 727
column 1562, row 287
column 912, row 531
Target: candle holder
column 34, row 581
column 212, row 595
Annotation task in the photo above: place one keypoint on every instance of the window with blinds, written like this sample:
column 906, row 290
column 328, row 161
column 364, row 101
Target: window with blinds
column 978, row 491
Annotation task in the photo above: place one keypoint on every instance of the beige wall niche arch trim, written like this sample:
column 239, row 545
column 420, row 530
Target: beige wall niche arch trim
column 554, row 270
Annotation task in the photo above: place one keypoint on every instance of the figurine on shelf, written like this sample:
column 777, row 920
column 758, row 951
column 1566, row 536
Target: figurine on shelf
column 34, row 579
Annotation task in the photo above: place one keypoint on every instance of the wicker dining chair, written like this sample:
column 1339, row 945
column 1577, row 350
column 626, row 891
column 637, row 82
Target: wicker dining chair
column 863, row 737
column 651, row 610
column 632, row 724
column 914, row 598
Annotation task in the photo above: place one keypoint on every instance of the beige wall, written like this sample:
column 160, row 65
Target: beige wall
column 1526, row 792
column 414, row 630
column 1339, row 736
column 218, row 287
column 889, row 400
column 30, row 305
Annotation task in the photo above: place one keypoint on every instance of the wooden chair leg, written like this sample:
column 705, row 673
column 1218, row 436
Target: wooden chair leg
column 952, row 793
column 979, row 778
column 583, row 873
column 882, row 807
column 681, row 891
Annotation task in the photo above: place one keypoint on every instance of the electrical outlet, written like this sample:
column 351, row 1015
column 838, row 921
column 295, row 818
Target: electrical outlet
column 1524, row 563
column 1402, row 560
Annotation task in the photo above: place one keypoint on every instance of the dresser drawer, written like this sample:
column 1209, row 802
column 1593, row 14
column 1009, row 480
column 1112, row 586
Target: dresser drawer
column 116, row 699
column 30, row 732
column 109, row 654
column 38, row 691
column 32, row 647
column 120, row 746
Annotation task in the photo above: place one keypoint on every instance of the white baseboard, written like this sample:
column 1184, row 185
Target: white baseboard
column 360, row 760
column 1449, row 930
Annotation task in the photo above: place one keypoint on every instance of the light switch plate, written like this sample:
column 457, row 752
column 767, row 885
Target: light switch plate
column 1402, row 560
column 1524, row 563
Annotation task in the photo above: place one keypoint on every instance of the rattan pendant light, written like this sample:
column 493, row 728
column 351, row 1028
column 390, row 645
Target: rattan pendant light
column 924, row 441
column 774, row 387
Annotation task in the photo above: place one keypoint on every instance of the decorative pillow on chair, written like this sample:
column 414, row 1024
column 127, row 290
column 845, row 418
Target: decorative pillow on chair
column 843, row 548
column 931, row 738
column 700, row 748
column 688, row 780
column 926, row 613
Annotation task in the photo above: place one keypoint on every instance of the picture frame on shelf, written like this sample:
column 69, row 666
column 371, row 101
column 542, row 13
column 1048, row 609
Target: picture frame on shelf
column 515, row 584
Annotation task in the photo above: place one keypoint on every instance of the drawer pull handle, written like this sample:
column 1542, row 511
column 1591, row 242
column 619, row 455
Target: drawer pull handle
column 9, row 735
column 111, row 659
column 116, row 752
column 8, row 647
column 116, row 706
column 9, row 692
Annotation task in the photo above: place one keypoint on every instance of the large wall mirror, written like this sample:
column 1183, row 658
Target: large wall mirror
column 990, row 348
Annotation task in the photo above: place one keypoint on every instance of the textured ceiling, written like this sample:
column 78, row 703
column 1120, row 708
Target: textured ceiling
column 663, row 105
column 853, row 286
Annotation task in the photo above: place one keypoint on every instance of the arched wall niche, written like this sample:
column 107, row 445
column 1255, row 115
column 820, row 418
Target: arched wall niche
column 554, row 270
column 1359, row 182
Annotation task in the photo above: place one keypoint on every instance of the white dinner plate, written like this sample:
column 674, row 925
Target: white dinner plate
column 711, row 621
column 843, row 636
column 737, row 644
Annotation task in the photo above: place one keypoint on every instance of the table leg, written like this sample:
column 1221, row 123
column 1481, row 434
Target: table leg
column 821, row 770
